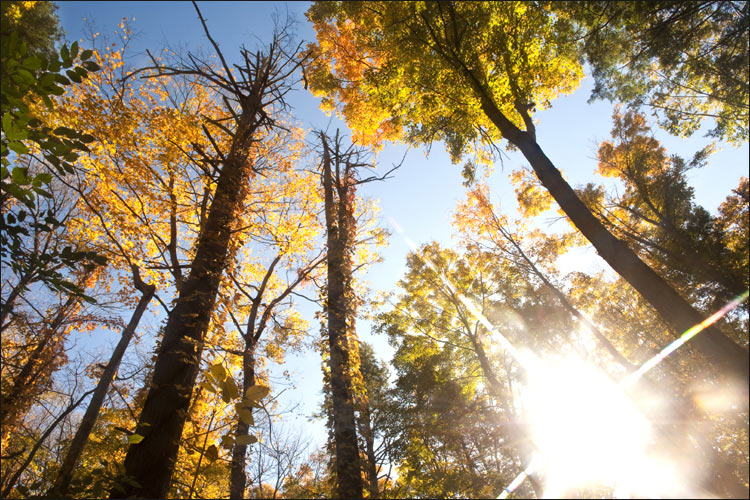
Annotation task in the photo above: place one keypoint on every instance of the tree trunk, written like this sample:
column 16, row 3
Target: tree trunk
column 372, row 467
column 237, row 478
column 348, row 476
column 7, row 307
column 518, row 435
column 34, row 373
column 721, row 352
column 65, row 474
column 151, row 462
column 12, row 481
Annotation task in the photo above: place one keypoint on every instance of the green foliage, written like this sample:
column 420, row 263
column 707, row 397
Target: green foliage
column 688, row 60
column 656, row 214
column 453, row 406
column 135, row 438
column 421, row 71
column 29, row 76
column 36, row 24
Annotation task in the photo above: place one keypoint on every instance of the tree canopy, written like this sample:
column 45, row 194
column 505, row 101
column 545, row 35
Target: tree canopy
column 211, row 290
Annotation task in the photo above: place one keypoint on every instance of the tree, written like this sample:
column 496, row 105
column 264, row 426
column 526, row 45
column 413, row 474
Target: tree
column 31, row 76
column 339, row 171
column 36, row 23
column 481, row 225
column 65, row 473
column 372, row 405
column 311, row 479
column 261, row 82
column 110, row 184
column 687, row 61
column 625, row 324
column 656, row 214
column 472, row 73
column 35, row 366
column 441, row 320
column 268, row 296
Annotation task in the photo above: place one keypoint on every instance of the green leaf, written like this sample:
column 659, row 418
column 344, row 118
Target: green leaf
column 91, row 66
column 18, row 147
column 209, row 387
column 18, row 176
column 249, row 439
column 55, row 90
column 54, row 65
column 26, row 75
column 74, row 50
column 43, row 178
column 7, row 121
column 256, row 392
column 229, row 389
column 32, row 63
column 73, row 76
column 48, row 79
column 61, row 79
column 86, row 54
column 135, row 438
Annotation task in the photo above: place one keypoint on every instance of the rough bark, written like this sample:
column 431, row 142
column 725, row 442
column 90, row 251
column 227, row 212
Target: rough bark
column 237, row 477
column 151, row 462
column 349, row 479
column 372, row 466
column 65, row 474
column 728, row 358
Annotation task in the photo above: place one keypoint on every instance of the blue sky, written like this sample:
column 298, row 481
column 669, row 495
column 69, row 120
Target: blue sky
column 423, row 193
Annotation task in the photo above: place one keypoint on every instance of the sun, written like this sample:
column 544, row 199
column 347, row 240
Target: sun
column 588, row 432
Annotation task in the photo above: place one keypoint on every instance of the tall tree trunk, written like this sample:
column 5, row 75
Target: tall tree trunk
column 372, row 466
column 348, row 475
column 720, row 351
column 237, row 477
column 65, row 474
column 151, row 462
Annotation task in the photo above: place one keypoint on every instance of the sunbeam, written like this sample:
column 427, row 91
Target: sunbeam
column 586, row 430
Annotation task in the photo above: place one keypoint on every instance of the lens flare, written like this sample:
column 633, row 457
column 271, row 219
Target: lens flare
column 689, row 334
column 640, row 474
column 585, row 427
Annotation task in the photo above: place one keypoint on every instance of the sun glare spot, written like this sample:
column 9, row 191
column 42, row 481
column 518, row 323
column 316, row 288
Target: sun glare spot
column 587, row 430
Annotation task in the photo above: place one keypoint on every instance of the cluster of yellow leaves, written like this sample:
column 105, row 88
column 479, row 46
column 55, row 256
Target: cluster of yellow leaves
column 16, row 9
column 137, row 177
column 533, row 199
column 383, row 66
column 480, row 223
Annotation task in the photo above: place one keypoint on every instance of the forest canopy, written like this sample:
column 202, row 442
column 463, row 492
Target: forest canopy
column 375, row 250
